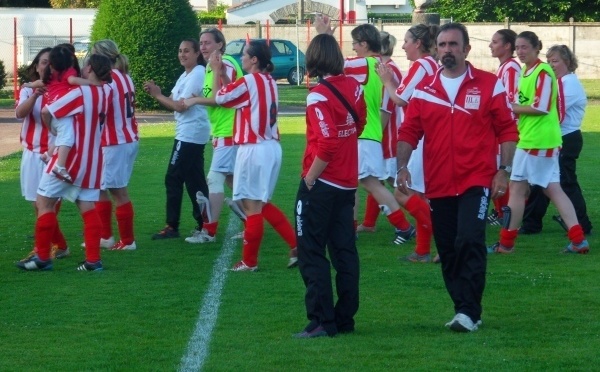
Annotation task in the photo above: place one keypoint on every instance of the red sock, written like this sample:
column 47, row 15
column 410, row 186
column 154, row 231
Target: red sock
column 104, row 210
column 508, row 237
column 44, row 230
column 253, row 234
column 501, row 202
column 91, row 235
column 419, row 209
column 575, row 234
column 398, row 219
column 211, row 228
column 280, row 223
column 58, row 239
column 124, row 215
column 371, row 212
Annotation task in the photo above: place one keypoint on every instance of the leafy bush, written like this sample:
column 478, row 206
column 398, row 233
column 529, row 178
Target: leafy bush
column 148, row 32
column 213, row 16
column 2, row 75
column 22, row 74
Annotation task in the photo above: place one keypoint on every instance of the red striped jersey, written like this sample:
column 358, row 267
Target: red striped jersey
column 509, row 73
column 390, row 133
column 255, row 98
column 34, row 134
column 419, row 69
column 88, row 106
column 59, row 84
column 121, row 125
column 543, row 89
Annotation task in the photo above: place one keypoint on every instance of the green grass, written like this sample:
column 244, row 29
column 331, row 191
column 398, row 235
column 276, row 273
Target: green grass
column 539, row 305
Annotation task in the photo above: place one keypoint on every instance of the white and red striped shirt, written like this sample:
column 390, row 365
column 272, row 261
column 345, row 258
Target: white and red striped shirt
column 256, row 100
column 121, row 125
column 390, row 132
column 418, row 70
column 509, row 73
column 88, row 106
column 34, row 134
column 543, row 89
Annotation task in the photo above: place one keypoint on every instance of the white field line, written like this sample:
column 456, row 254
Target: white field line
column 198, row 346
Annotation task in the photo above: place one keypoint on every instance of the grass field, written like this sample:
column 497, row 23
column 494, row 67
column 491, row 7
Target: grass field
column 139, row 314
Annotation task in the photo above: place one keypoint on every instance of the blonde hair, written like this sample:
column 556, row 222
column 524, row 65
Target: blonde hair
column 109, row 49
column 388, row 43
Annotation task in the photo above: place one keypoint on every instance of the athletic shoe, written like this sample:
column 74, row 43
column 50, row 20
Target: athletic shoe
column 235, row 208
column 363, row 228
column 200, row 236
column 104, row 243
column 60, row 253
column 317, row 332
column 62, row 174
column 88, row 266
column 120, row 246
column 415, row 257
column 35, row 264
column 495, row 220
column 239, row 235
column 29, row 256
column 462, row 323
column 499, row 248
column 404, row 236
column 204, row 205
column 241, row 266
column 167, row 233
column 437, row 259
column 293, row 262
column 581, row 248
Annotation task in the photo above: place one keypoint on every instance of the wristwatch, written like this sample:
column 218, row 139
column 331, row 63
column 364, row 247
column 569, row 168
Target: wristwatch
column 506, row 168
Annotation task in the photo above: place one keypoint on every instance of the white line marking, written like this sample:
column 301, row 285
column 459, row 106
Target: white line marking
column 197, row 349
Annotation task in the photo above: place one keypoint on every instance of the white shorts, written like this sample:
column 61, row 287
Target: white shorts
column 117, row 164
column 223, row 158
column 256, row 170
column 32, row 168
column 536, row 170
column 52, row 187
column 65, row 133
column 390, row 168
column 415, row 167
column 370, row 159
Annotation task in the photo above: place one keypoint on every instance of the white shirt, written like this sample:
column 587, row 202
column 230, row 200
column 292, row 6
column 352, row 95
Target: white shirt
column 571, row 103
column 451, row 85
column 192, row 124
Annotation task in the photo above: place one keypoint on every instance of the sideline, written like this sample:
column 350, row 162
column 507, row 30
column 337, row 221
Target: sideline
column 197, row 349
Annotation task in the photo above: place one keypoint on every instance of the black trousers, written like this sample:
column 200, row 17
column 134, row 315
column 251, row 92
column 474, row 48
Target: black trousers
column 537, row 203
column 186, row 166
column 459, row 233
column 324, row 218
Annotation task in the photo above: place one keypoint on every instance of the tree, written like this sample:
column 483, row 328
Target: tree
column 518, row 10
column 74, row 3
column 148, row 32
column 2, row 75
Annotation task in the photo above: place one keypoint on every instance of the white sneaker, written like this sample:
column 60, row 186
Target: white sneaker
column 199, row 237
column 241, row 266
column 120, row 246
column 463, row 323
column 104, row 243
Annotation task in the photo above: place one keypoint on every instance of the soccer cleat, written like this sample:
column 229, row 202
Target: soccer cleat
column 415, row 257
column 499, row 248
column 200, row 236
column 88, row 266
column 363, row 228
column 104, row 243
column 462, row 323
column 35, row 264
column 235, row 208
column 317, row 332
column 404, row 236
column 29, row 256
column 204, row 205
column 167, row 233
column 60, row 253
column 293, row 262
column 581, row 248
column 120, row 246
column 62, row 174
column 241, row 266
column 494, row 220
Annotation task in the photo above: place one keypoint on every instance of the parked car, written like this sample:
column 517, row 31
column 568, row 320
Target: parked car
column 81, row 48
column 283, row 56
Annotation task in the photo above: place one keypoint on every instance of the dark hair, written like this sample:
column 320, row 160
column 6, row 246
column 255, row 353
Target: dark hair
column 324, row 57
column 456, row 26
column 508, row 36
column 101, row 66
column 31, row 71
column 217, row 36
column 427, row 35
column 71, row 48
column 369, row 34
column 532, row 39
column 196, row 47
column 388, row 43
column 565, row 54
column 61, row 59
column 262, row 52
